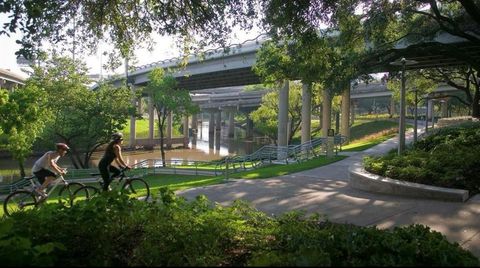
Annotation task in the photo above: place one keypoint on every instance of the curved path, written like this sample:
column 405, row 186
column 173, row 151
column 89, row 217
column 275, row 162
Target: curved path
column 325, row 190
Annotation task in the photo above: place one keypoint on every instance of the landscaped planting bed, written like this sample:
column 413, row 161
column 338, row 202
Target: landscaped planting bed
column 446, row 158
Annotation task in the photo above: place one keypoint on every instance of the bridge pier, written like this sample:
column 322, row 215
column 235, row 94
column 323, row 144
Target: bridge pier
column 211, row 123
column 133, row 122
column 249, row 130
column 185, row 131
column 282, row 118
column 231, row 124
column 151, row 118
column 218, row 123
column 306, row 112
column 194, row 125
column 430, row 109
column 444, row 108
column 345, row 120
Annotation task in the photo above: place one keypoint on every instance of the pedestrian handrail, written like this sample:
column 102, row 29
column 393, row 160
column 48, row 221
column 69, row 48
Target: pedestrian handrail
column 267, row 154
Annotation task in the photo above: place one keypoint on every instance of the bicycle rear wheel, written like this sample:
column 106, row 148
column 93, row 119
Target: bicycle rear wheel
column 18, row 201
column 66, row 194
column 137, row 188
column 86, row 192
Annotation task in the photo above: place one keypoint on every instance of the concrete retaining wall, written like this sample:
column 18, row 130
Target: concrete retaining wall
column 363, row 180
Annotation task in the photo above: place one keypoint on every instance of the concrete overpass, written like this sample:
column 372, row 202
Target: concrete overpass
column 232, row 67
column 9, row 80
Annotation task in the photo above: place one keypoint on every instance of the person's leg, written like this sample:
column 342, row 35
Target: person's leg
column 47, row 182
column 115, row 171
column 105, row 176
column 45, row 177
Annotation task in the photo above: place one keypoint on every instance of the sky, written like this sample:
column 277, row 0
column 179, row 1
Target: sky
column 165, row 48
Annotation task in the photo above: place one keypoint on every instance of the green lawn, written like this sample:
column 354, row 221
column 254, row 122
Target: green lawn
column 366, row 134
column 141, row 126
column 279, row 170
column 180, row 182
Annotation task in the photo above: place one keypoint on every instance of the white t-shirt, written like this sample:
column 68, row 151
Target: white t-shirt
column 43, row 162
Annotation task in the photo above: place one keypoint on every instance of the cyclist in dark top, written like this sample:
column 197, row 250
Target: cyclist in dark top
column 113, row 152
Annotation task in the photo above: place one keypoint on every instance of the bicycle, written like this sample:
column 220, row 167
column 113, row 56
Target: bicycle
column 29, row 198
column 132, row 186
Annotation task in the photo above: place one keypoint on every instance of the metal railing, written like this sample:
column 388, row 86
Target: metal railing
column 268, row 154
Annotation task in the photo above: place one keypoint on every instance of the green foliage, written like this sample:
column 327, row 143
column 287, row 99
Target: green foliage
column 414, row 81
column 23, row 115
column 265, row 118
column 446, row 158
column 83, row 118
column 112, row 230
column 168, row 99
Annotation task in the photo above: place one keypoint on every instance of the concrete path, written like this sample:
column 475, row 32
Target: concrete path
column 325, row 190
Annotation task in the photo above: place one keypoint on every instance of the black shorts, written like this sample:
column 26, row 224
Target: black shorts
column 43, row 173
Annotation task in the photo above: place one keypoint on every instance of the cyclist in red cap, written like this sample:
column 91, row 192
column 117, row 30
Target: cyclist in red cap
column 46, row 169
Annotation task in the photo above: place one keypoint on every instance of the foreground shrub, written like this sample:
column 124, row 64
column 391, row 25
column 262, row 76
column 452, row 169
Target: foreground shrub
column 446, row 158
column 112, row 230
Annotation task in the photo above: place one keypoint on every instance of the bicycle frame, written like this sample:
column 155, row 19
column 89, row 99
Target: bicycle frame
column 56, row 182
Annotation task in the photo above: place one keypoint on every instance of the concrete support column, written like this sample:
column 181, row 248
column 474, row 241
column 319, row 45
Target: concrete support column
column 169, row 130
column 306, row 112
column 282, row 119
column 194, row 125
column 218, row 123
column 211, row 123
column 195, row 122
column 185, row 131
column 430, row 109
column 231, row 124
column 345, row 120
column 444, row 108
column 133, row 135
column 326, row 112
column 249, row 131
column 151, row 118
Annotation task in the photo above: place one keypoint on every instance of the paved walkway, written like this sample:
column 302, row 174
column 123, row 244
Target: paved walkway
column 325, row 190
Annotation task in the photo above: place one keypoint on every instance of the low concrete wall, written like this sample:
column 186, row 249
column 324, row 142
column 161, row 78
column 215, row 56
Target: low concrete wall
column 363, row 180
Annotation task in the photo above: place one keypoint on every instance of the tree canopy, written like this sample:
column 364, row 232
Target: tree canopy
column 168, row 99
column 82, row 118
column 124, row 23
column 23, row 116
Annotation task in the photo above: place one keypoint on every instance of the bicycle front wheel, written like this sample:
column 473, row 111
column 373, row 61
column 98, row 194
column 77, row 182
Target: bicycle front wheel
column 66, row 194
column 86, row 192
column 18, row 201
column 136, row 188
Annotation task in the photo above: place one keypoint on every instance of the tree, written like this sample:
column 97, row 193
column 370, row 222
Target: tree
column 124, row 24
column 381, row 24
column 265, row 117
column 421, row 21
column 167, row 99
column 23, row 115
column 463, row 79
column 82, row 118
column 414, row 81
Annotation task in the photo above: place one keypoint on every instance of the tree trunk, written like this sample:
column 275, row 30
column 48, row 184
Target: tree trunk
column 161, row 119
column 76, row 155
column 476, row 106
column 88, row 155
